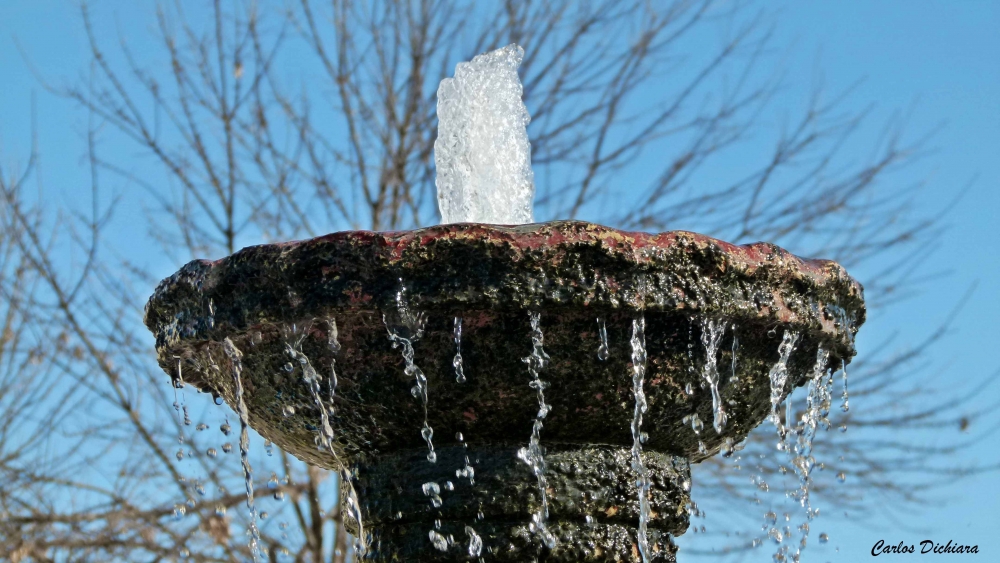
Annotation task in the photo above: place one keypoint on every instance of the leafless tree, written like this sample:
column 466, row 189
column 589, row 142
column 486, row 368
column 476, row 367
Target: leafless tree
column 272, row 122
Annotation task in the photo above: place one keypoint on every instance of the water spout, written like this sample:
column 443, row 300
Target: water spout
column 482, row 153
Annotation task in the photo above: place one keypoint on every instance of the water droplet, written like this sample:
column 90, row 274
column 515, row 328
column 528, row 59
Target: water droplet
column 602, row 333
column 227, row 447
column 438, row 541
column 201, row 426
column 288, row 410
column 841, row 476
column 212, row 452
column 475, row 542
column 225, row 428
column 823, row 538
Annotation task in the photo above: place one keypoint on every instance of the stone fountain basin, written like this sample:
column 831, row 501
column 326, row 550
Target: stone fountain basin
column 571, row 272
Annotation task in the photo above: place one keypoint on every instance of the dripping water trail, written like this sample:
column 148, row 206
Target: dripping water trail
column 733, row 378
column 180, row 407
column 475, row 547
column 602, row 334
column 779, row 376
column 407, row 327
column 236, row 358
column 325, row 437
column 845, row 405
column 467, row 471
column 334, row 345
column 642, row 474
column 817, row 409
column 419, row 390
column 457, row 361
column 534, row 455
column 711, row 336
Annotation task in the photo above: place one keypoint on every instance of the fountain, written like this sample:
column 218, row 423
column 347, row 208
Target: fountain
column 518, row 393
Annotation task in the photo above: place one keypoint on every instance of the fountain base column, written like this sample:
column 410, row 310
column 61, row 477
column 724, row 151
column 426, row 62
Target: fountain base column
column 591, row 494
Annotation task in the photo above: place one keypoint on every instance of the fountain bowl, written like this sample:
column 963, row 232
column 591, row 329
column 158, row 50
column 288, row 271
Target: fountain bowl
column 336, row 299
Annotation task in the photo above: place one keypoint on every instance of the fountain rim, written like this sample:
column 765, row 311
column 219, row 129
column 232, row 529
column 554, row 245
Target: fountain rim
column 368, row 270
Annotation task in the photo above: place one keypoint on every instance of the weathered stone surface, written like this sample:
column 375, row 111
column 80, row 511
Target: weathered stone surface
column 266, row 298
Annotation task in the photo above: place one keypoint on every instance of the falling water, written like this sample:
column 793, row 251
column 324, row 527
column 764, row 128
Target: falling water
column 414, row 327
column 180, row 407
column 845, row 406
column 711, row 336
column 467, row 471
column 326, row 435
column 779, row 375
column 642, row 480
column 457, row 361
column 817, row 405
column 334, row 344
column 733, row 378
column 602, row 333
column 533, row 455
column 235, row 357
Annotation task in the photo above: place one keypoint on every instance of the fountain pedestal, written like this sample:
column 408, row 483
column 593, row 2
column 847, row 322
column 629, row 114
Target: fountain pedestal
column 592, row 500
column 304, row 311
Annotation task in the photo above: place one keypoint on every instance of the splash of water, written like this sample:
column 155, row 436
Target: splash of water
column 642, row 480
column 534, row 455
column 457, row 361
column 711, row 336
column 482, row 152
column 236, row 358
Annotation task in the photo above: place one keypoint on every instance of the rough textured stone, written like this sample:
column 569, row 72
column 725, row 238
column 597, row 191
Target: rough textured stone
column 266, row 297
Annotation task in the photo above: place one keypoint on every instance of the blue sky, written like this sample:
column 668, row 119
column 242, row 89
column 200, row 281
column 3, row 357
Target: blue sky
column 937, row 63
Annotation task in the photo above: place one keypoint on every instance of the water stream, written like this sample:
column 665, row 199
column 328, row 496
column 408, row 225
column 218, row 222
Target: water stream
column 419, row 389
column 457, row 361
column 778, row 375
column 711, row 336
column 642, row 480
column 325, row 436
column 236, row 358
column 534, row 455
